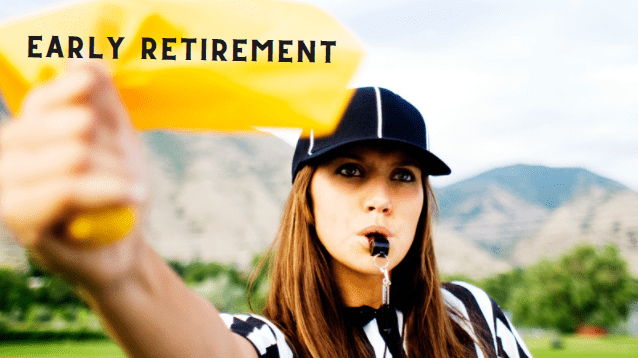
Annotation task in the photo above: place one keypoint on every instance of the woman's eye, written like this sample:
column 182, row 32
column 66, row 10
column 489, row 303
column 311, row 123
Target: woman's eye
column 349, row 170
column 404, row 176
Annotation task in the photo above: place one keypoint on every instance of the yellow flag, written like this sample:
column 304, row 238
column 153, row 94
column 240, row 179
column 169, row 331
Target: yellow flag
column 195, row 64
column 221, row 65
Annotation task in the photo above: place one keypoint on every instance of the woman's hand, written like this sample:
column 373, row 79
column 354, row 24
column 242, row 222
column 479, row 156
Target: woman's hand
column 72, row 148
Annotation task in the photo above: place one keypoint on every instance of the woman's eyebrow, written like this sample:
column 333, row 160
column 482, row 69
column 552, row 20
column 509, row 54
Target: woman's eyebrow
column 398, row 163
column 349, row 156
column 408, row 162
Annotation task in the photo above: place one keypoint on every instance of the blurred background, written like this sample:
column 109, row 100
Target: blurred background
column 533, row 106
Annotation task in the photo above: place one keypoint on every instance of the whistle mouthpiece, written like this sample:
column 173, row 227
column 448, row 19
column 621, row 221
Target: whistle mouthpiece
column 379, row 245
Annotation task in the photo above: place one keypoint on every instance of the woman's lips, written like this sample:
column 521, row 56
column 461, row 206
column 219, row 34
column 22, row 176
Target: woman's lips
column 375, row 230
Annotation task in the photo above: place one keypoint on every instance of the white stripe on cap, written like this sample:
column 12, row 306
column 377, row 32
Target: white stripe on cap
column 312, row 141
column 379, row 113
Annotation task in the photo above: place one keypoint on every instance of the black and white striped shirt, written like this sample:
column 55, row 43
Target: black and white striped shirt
column 476, row 306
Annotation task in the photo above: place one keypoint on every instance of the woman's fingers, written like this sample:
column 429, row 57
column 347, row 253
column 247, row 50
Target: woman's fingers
column 22, row 167
column 84, row 82
column 56, row 196
column 72, row 148
column 77, row 123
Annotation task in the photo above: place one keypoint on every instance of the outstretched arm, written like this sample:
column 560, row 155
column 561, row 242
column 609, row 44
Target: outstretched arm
column 73, row 148
column 151, row 313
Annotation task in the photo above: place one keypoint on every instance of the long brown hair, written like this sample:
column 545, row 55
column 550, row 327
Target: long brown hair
column 304, row 301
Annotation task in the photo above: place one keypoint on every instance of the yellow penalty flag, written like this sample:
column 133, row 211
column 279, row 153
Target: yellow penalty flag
column 214, row 65
column 192, row 65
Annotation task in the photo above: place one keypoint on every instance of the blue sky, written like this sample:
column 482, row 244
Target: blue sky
column 500, row 82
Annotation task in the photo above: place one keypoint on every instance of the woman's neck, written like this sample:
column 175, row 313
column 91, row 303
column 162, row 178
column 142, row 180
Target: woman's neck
column 358, row 289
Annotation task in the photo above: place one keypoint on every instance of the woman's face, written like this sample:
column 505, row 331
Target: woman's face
column 363, row 190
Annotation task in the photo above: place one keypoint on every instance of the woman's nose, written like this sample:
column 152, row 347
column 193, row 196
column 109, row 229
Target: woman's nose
column 379, row 198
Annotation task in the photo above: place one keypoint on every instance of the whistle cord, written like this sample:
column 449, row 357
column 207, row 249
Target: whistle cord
column 386, row 315
column 389, row 330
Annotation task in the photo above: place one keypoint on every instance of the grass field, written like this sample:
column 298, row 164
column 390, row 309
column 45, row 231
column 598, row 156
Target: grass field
column 101, row 349
column 612, row 347
column 582, row 347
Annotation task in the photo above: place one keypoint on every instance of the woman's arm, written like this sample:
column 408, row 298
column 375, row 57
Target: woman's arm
column 152, row 313
column 73, row 148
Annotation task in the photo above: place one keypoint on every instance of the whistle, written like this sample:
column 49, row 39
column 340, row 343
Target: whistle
column 379, row 245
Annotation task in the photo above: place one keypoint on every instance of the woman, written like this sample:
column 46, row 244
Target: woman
column 73, row 149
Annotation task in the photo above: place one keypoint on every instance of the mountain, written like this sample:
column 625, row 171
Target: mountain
column 214, row 197
column 539, row 185
column 455, row 255
column 499, row 208
column 219, row 197
column 224, row 195
column 597, row 217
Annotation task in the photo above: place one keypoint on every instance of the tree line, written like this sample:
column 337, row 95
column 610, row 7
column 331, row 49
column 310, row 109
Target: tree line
column 584, row 287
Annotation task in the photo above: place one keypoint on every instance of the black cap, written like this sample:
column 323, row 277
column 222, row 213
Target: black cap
column 373, row 114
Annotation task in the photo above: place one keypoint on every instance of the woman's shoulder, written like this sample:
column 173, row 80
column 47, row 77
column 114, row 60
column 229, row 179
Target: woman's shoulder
column 467, row 298
column 486, row 318
column 265, row 336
